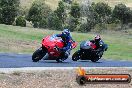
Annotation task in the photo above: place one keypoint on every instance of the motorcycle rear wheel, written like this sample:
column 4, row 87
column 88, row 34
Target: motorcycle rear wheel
column 96, row 58
column 38, row 55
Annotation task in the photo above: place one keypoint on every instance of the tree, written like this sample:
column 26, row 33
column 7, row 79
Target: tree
column 38, row 13
column 23, row 11
column 85, row 5
column 102, row 9
column 67, row 1
column 9, row 10
column 89, row 16
column 0, row 15
column 21, row 21
column 61, row 13
column 74, row 16
column 101, row 13
column 73, row 23
column 75, row 10
column 122, row 13
column 93, row 17
column 54, row 22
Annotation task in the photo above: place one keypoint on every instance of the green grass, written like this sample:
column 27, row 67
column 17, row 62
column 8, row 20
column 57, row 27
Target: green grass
column 25, row 40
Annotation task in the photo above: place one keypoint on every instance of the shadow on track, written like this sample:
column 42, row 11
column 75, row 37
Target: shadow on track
column 89, row 61
column 53, row 62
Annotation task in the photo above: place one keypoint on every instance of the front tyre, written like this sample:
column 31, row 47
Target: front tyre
column 59, row 60
column 38, row 55
column 95, row 59
column 76, row 56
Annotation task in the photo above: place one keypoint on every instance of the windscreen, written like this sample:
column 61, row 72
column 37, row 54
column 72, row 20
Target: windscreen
column 55, row 38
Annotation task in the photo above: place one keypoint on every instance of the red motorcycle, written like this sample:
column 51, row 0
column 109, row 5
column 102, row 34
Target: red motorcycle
column 50, row 49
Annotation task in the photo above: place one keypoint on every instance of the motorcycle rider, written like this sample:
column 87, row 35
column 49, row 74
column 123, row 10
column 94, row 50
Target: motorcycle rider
column 66, row 37
column 99, row 43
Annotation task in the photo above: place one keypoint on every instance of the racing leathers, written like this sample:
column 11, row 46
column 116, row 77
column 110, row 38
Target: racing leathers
column 67, row 45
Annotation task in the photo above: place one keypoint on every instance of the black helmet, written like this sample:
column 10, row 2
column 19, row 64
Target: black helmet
column 97, row 38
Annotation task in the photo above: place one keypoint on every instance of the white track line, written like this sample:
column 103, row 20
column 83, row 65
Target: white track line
column 29, row 69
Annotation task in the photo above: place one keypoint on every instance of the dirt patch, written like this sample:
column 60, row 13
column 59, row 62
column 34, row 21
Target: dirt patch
column 129, row 5
column 57, row 79
column 18, row 45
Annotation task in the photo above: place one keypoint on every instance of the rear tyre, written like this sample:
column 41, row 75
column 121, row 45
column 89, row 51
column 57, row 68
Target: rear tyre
column 76, row 56
column 96, row 58
column 38, row 55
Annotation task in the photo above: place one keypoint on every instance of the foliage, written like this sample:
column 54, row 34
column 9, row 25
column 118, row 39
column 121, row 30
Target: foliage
column 61, row 12
column 54, row 22
column 0, row 15
column 122, row 13
column 38, row 13
column 23, row 11
column 87, row 26
column 89, row 16
column 43, row 23
column 74, row 16
column 75, row 10
column 102, row 9
column 73, row 23
column 8, row 11
column 67, row 1
column 21, row 21
column 101, row 14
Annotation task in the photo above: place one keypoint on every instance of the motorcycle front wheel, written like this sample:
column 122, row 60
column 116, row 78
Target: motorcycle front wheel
column 38, row 55
column 59, row 60
column 76, row 56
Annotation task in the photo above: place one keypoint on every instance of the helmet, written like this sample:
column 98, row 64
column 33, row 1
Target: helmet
column 66, row 32
column 97, row 38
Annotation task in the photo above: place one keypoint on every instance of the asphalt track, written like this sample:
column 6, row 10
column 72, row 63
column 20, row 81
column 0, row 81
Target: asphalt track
column 9, row 60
